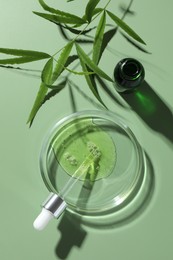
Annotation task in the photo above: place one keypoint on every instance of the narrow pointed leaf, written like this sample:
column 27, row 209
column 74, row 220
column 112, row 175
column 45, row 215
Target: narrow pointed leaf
column 84, row 57
column 23, row 56
column 60, row 19
column 90, row 8
column 48, row 78
column 47, row 72
column 38, row 101
column 26, row 53
column 42, row 97
column 91, row 83
column 62, row 61
column 125, row 27
column 61, row 13
column 99, row 38
column 19, row 60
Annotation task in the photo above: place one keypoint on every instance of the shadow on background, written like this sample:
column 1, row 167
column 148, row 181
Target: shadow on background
column 151, row 109
column 148, row 106
column 72, row 229
column 72, row 235
column 72, row 232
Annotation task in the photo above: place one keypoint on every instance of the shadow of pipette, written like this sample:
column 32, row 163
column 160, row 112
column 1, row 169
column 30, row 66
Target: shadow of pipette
column 72, row 232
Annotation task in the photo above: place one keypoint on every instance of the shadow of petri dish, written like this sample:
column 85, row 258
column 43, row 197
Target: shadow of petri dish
column 103, row 190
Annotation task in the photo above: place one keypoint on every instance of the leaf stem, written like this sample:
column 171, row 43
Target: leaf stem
column 107, row 4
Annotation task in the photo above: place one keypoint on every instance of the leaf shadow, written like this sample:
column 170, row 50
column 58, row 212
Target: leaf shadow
column 108, row 36
column 72, row 99
column 66, row 36
column 134, row 44
column 113, row 95
column 125, row 10
column 84, row 95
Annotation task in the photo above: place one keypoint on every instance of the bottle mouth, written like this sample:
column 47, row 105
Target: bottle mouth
column 131, row 69
column 108, row 191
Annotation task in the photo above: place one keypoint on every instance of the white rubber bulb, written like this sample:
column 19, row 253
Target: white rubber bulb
column 43, row 219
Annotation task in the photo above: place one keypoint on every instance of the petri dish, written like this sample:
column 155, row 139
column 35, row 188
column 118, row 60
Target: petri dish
column 97, row 155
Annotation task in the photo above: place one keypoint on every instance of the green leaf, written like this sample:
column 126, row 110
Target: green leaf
column 62, row 60
column 84, row 57
column 95, row 11
column 23, row 56
column 91, row 83
column 125, row 27
column 47, row 72
column 38, row 101
column 18, row 52
column 42, row 97
column 90, row 8
column 19, row 60
column 61, row 13
column 48, row 78
column 61, row 19
column 99, row 38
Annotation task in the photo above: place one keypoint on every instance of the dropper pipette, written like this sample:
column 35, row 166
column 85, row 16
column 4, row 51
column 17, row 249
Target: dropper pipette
column 55, row 204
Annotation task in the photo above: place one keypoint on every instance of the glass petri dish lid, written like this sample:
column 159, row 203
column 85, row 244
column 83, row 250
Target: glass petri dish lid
column 94, row 161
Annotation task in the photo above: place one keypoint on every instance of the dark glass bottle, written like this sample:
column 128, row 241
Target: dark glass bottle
column 128, row 75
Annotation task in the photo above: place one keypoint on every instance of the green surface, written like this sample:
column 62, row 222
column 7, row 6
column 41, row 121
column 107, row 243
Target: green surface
column 84, row 150
column 149, row 235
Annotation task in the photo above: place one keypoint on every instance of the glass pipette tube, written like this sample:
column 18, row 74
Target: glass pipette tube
column 55, row 204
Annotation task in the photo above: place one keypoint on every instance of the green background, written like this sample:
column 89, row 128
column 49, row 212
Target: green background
column 149, row 235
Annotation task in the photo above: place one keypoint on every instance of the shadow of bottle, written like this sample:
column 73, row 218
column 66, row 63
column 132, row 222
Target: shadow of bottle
column 151, row 109
column 148, row 106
